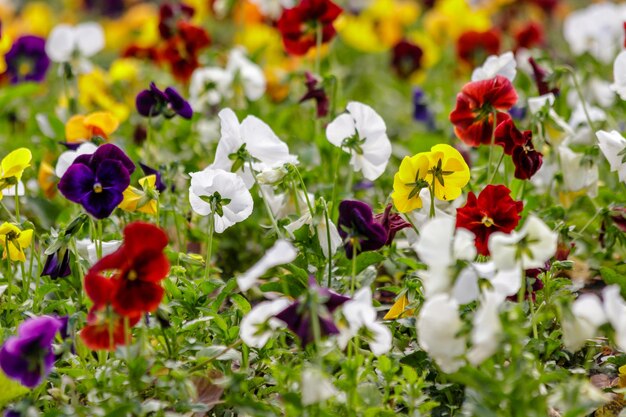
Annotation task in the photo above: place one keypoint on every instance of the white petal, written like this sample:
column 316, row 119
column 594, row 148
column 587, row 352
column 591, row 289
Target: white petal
column 611, row 144
column 263, row 144
column 89, row 38
column 316, row 387
column 61, row 43
column 543, row 243
column 465, row 288
column 281, row 253
column 504, row 65
column 341, row 128
column 259, row 315
column 66, row 159
column 619, row 75
column 323, row 233
column 486, row 328
column 503, row 249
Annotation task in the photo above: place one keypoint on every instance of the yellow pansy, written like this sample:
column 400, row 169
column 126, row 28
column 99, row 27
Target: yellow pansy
column 448, row 172
column 14, row 241
column 450, row 18
column 262, row 41
column 80, row 128
column 14, row 164
column 138, row 26
column 399, row 308
column 46, row 178
column 6, row 42
column 379, row 26
column 94, row 91
column 409, row 181
column 144, row 200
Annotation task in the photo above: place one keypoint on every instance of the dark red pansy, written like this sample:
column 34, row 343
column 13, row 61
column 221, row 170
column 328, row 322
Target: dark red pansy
column 509, row 136
column 529, row 36
column 474, row 47
column 406, row 58
column 492, row 211
column 316, row 92
column 129, row 279
column 540, row 76
column 475, row 107
column 527, row 160
column 105, row 330
column 169, row 16
column 392, row 222
column 298, row 25
column 181, row 51
column 356, row 224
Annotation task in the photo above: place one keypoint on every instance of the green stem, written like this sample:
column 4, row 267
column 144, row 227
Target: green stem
column 329, row 243
column 98, row 241
column 333, row 198
column 209, row 245
column 493, row 174
column 306, row 194
column 17, row 204
column 431, row 213
column 355, row 242
column 267, row 206
column 205, row 362
column 493, row 141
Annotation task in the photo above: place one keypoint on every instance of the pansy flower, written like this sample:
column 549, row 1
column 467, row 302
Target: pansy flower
column 98, row 181
column 14, row 241
column 27, row 59
column 137, row 269
column 473, row 46
column 105, row 328
column 12, row 167
column 358, row 228
column 80, row 128
column 540, row 75
column 169, row 15
column 160, row 186
column 221, row 194
column 362, row 133
column 143, row 200
column 315, row 92
column 613, row 147
column 477, row 104
column 298, row 316
column 520, row 146
column 181, row 51
column 392, row 222
column 529, row 36
column 28, row 357
column 299, row 25
column 421, row 111
column 57, row 264
column 448, row 172
column 67, row 43
column 409, row 181
column 493, row 210
column 406, row 58
column 153, row 102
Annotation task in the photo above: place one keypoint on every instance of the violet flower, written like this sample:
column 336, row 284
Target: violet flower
column 57, row 264
column 28, row 357
column 27, row 59
column 313, row 92
column 392, row 222
column 421, row 112
column 97, row 181
column 297, row 316
column 169, row 103
column 356, row 222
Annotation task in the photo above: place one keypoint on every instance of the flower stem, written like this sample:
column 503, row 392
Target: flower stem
column 353, row 283
column 318, row 46
column 495, row 171
column 431, row 213
column 17, row 204
column 492, row 144
column 329, row 243
column 209, row 244
column 98, row 241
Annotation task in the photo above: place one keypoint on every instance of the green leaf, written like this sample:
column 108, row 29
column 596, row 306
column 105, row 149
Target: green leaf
column 241, row 303
column 10, row 390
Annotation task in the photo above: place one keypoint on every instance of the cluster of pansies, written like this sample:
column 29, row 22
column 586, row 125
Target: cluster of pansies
column 312, row 207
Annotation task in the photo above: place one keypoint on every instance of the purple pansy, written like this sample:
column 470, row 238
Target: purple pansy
column 153, row 102
column 392, row 222
column 313, row 92
column 356, row 221
column 98, row 181
column 160, row 186
column 297, row 316
column 27, row 59
column 57, row 264
column 421, row 112
column 28, row 357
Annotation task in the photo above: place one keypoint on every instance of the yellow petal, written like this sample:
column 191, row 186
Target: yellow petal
column 102, row 123
column 25, row 238
column 148, row 182
column 398, row 309
column 75, row 129
column 14, row 164
column 131, row 197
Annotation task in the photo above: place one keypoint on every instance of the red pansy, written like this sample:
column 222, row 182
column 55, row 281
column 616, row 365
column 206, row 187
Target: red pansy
column 475, row 106
column 298, row 25
column 406, row 58
column 129, row 279
column 541, row 78
column 474, row 47
column 492, row 211
column 509, row 136
column 169, row 16
column 529, row 35
column 181, row 51
column 527, row 160
column 105, row 329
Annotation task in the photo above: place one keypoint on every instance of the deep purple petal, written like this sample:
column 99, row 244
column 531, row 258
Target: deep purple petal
column 77, row 182
column 146, row 104
column 110, row 151
column 44, row 328
column 151, row 171
column 101, row 205
column 112, row 175
column 178, row 103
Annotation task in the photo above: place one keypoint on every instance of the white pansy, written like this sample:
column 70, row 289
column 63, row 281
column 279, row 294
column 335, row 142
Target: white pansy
column 597, row 29
column 250, row 74
column 360, row 313
column 504, row 65
column 362, row 133
column 579, row 173
column 87, row 249
column 260, row 142
column 536, row 104
column 208, row 86
column 273, row 8
column 272, row 175
column 282, row 252
column 615, row 310
column 66, row 159
column 259, row 324
column 504, row 282
column 236, row 201
column 439, row 246
column 613, row 146
column 531, row 247
column 438, row 327
column 316, row 387
column 586, row 316
column 325, row 233
column 619, row 75
column 486, row 329
column 66, row 43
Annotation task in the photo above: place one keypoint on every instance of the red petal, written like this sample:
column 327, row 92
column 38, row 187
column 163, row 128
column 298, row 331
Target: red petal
column 136, row 297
